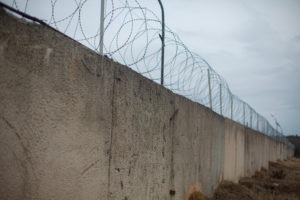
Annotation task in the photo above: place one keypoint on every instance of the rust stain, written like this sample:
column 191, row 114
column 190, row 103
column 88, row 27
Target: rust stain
column 195, row 193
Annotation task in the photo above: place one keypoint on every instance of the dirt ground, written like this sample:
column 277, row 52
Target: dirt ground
column 280, row 182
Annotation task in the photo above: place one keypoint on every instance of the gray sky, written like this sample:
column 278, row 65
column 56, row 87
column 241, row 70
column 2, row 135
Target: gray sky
column 254, row 45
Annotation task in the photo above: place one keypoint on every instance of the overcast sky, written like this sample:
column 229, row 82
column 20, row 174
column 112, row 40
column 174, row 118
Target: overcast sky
column 254, row 45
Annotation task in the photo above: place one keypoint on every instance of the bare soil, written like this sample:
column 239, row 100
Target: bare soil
column 280, row 182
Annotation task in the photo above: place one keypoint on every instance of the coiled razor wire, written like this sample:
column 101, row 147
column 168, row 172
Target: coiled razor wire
column 131, row 37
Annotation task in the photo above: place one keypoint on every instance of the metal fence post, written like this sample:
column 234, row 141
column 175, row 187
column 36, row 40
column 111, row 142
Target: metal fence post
column 257, row 123
column 162, row 37
column 244, row 119
column 231, row 107
column 101, row 28
column 221, row 99
column 251, row 118
column 209, row 89
column 265, row 127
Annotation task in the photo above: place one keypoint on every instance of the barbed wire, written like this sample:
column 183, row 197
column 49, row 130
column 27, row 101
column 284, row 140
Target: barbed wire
column 131, row 37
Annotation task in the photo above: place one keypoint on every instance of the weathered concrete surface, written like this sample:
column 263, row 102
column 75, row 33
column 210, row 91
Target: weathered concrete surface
column 234, row 151
column 55, row 115
column 141, row 138
column 198, row 148
column 74, row 125
column 247, row 151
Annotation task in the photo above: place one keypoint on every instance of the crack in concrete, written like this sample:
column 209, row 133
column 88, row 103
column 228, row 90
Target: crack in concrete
column 172, row 132
column 15, row 132
column 23, row 161
column 174, row 115
column 89, row 167
column 111, row 133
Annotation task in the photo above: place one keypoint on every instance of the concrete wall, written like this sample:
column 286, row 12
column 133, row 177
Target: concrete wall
column 247, row 151
column 234, row 151
column 74, row 125
column 197, row 147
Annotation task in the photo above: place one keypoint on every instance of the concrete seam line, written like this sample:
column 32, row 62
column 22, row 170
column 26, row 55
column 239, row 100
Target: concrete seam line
column 111, row 132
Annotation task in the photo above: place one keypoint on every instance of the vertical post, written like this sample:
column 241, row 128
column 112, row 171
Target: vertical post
column 265, row 127
column 101, row 28
column 162, row 37
column 209, row 89
column 257, row 123
column 251, row 118
column 221, row 99
column 244, row 119
column 231, row 107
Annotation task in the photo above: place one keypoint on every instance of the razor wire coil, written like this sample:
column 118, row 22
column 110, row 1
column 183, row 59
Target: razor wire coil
column 131, row 37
